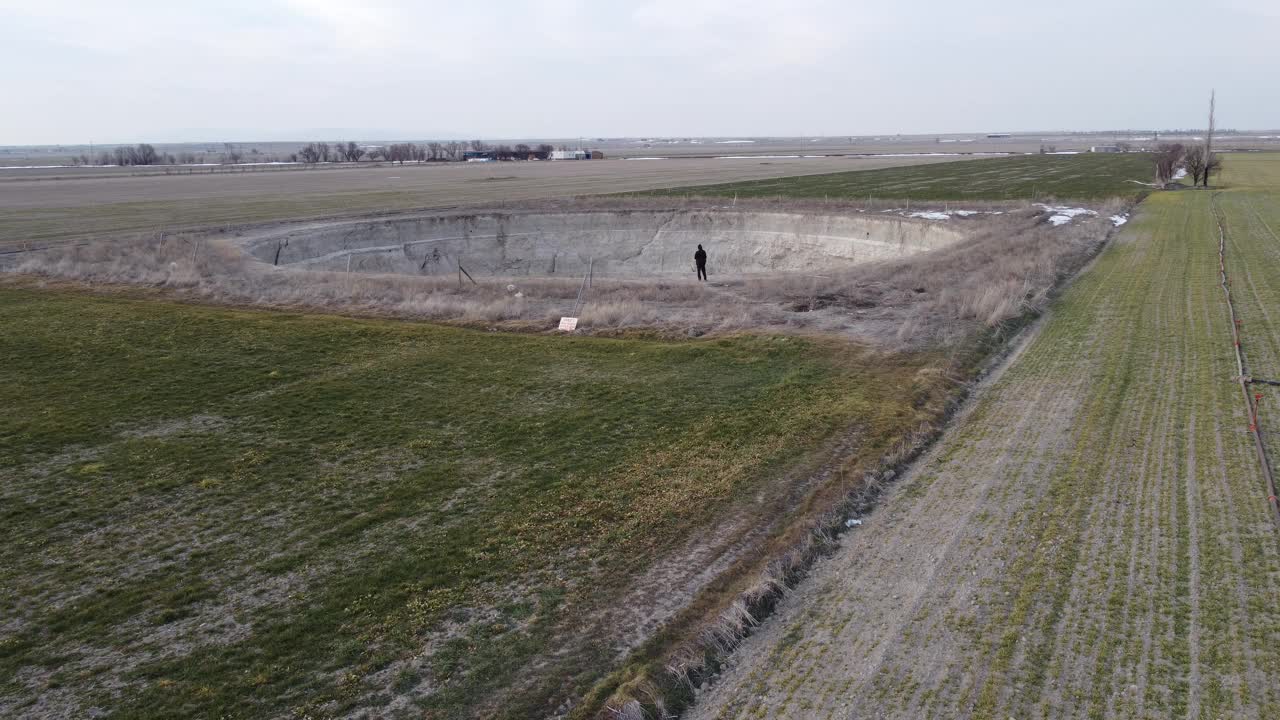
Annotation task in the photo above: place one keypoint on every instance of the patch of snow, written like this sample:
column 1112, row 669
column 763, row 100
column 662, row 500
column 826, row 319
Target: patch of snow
column 645, row 158
column 51, row 167
column 756, row 157
column 1067, row 211
column 733, row 142
column 1064, row 152
column 966, row 213
column 930, row 215
column 1118, row 220
column 939, row 154
column 1182, row 172
column 1061, row 214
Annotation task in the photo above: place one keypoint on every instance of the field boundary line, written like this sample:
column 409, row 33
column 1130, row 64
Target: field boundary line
column 1251, row 408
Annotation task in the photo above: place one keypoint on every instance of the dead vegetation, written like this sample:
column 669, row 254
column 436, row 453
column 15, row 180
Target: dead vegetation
column 1004, row 270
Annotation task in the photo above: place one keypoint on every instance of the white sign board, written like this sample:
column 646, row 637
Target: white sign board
column 568, row 324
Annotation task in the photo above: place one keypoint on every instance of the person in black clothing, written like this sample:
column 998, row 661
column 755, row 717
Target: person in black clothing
column 700, row 259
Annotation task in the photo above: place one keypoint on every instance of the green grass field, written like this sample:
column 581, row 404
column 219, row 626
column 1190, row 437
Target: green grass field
column 1024, row 177
column 222, row 513
column 1096, row 538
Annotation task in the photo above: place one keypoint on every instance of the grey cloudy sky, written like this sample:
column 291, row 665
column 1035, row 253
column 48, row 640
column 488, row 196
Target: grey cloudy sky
column 169, row 70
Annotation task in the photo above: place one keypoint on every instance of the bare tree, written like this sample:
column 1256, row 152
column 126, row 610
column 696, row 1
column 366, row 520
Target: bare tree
column 1212, row 164
column 1195, row 161
column 544, row 151
column 1124, row 146
column 231, row 153
column 1167, row 159
column 479, row 145
column 503, row 152
column 325, row 151
column 376, row 153
column 454, row 150
column 353, row 152
column 1211, row 161
column 310, row 154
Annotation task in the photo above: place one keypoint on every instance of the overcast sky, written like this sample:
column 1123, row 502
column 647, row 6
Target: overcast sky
column 170, row 70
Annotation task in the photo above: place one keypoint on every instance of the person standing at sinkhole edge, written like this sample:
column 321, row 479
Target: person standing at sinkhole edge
column 700, row 259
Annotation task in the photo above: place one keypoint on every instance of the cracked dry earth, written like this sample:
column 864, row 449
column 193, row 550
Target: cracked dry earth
column 1092, row 541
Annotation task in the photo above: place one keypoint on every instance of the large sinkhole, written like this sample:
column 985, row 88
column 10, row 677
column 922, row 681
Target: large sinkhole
column 608, row 244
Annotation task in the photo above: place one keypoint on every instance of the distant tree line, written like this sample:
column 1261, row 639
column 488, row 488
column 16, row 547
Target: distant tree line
column 346, row 151
column 322, row 152
column 146, row 154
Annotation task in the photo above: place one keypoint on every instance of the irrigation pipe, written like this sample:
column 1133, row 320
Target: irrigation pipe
column 1251, row 407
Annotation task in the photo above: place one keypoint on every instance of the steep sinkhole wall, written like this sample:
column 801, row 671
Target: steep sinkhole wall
column 612, row 244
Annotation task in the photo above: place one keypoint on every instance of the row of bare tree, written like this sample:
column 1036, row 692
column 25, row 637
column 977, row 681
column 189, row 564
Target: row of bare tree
column 1199, row 161
column 412, row 152
column 142, row 154
column 145, row 154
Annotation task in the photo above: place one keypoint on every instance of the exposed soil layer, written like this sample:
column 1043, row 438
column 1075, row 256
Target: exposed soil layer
column 606, row 244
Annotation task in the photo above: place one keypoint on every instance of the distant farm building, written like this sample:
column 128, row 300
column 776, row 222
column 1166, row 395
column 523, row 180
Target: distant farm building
column 999, row 135
column 577, row 155
column 1105, row 149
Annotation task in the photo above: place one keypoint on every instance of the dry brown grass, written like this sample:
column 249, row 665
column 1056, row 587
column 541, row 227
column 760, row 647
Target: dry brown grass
column 1008, row 267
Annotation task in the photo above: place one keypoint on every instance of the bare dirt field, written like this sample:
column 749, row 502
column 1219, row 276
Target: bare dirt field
column 1094, row 539
column 37, row 211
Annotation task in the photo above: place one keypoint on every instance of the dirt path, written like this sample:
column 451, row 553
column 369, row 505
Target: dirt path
column 1093, row 541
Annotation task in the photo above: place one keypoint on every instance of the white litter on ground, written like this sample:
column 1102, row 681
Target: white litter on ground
column 1118, row 220
column 851, row 522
